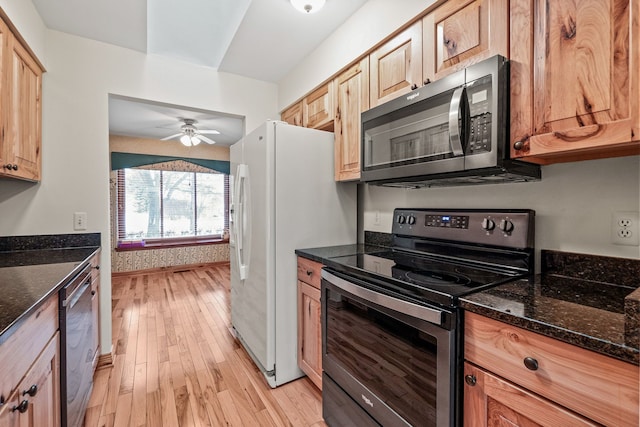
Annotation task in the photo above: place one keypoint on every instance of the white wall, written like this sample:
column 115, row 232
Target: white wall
column 573, row 203
column 75, row 177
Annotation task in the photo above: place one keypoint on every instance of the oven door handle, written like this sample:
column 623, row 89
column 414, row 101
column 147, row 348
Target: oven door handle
column 428, row 314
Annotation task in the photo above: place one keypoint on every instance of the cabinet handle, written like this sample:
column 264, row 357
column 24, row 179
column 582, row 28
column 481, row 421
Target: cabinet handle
column 97, row 267
column 309, row 273
column 470, row 379
column 518, row 145
column 22, row 407
column 427, row 81
column 414, row 86
column 32, row 391
column 15, row 167
column 531, row 363
column 93, row 293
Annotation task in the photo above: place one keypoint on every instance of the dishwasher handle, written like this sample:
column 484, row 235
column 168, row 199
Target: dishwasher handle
column 77, row 287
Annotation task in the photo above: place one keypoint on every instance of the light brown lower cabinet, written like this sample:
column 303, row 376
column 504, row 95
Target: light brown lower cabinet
column 309, row 320
column 95, row 306
column 516, row 377
column 29, row 373
column 36, row 400
column 491, row 401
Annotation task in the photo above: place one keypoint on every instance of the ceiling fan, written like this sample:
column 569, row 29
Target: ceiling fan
column 191, row 135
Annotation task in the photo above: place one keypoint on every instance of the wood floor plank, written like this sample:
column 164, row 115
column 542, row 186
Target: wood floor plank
column 178, row 364
column 169, row 415
column 139, row 404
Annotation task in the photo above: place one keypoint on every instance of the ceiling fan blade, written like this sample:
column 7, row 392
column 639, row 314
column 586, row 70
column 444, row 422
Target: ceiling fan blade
column 209, row 131
column 171, row 137
column 206, row 139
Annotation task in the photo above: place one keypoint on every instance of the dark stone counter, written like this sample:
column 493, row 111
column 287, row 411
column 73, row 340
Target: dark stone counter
column 323, row 255
column 34, row 271
column 590, row 301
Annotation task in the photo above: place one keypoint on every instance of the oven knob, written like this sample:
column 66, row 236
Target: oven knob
column 401, row 219
column 506, row 226
column 488, row 224
column 411, row 220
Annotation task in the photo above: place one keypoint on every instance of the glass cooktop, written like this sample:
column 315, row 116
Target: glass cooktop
column 424, row 277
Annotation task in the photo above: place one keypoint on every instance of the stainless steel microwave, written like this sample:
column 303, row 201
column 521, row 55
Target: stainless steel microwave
column 453, row 131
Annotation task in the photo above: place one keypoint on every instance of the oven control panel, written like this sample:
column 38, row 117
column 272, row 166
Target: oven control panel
column 501, row 227
column 451, row 221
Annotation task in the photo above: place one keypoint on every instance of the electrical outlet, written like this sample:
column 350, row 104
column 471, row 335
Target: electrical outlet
column 79, row 220
column 376, row 218
column 624, row 228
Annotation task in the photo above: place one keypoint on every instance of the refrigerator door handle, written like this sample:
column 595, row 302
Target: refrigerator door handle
column 240, row 219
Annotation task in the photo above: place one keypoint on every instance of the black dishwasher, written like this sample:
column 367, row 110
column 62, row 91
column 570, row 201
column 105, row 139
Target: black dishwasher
column 76, row 348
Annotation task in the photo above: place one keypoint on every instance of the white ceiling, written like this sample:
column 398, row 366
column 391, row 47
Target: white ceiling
column 261, row 39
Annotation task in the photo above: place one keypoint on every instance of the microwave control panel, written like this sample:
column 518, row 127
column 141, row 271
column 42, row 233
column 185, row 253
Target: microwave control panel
column 479, row 96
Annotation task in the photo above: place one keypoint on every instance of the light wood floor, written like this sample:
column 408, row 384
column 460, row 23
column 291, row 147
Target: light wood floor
column 177, row 364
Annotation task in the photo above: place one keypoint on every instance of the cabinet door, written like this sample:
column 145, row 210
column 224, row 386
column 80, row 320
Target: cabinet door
column 309, row 335
column 9, row 415
column 36, row 402
column 575, row 90
column 396, row 65
column 293, row 115
column 95, row 311
column 462, row 32
column 492, row 401
column 24, row 128
column 352, row 98
column 4, row 104
column 318, row 109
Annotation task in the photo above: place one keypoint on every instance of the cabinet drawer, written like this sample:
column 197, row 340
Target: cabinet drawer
column 599, row 387
column 23, row 347
column 309, row 271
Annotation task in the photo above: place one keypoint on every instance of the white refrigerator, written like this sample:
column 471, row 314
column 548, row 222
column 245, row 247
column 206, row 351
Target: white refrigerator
column 284, row 197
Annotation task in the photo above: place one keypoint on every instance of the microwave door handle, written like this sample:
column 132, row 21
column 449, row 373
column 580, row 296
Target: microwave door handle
column 458, row 104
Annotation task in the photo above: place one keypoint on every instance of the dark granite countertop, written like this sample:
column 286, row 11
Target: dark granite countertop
column 593, row 314
column 323, row 255
column 32, row 274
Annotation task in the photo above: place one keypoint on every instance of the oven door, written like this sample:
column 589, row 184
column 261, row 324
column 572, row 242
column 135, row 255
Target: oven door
column 394, row 358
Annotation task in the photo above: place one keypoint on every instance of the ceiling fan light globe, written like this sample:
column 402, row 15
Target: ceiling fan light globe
column 307, row 6
column 195, row 140
column 186, row 140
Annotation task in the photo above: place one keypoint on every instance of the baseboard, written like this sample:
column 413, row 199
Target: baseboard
column 168, row 269
column 105, row 360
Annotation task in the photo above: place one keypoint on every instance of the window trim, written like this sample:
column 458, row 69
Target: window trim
column 164, row 242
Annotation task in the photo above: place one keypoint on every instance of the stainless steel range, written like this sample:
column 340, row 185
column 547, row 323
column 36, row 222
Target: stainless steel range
column 392, row 332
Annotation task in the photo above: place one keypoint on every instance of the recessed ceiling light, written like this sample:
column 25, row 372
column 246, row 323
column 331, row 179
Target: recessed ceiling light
column 308, row 6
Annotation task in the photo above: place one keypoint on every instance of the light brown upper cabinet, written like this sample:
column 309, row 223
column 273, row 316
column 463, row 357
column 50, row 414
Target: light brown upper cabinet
column 293, row 115
column 318, row 109
column 462, row 32
column 21, row 104
column 352, row 98
column 575, row 90
column 396, row 65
